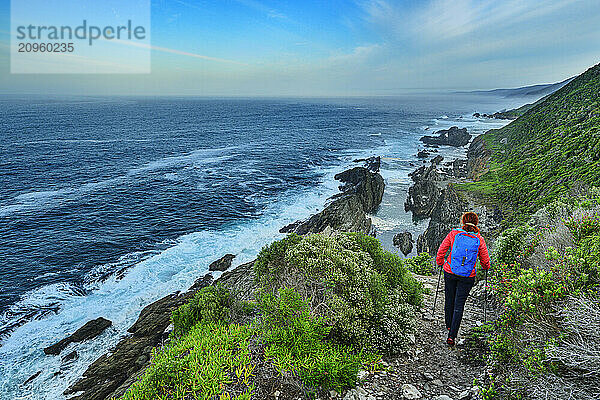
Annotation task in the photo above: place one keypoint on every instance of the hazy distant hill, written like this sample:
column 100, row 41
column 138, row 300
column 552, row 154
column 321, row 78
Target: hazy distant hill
column 534, row 90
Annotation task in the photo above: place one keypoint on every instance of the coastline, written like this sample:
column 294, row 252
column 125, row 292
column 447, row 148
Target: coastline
column 394, row 191
column 111, row 374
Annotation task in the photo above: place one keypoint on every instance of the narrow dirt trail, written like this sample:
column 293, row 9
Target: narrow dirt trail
column 430, row 366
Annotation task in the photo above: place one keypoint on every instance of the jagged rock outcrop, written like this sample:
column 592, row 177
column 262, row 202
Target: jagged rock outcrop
column 496, row 115
column 222, row 264
column 477, row 158
column 459, row 168
column 111, row 374
column 361, row 194
column 88, row 331
column 372, row 163
column 454, row 136
column 445, row 215
column 432, row 196
column 424, row 192
column 423, row 154
column 404, row 241
column 240, row 281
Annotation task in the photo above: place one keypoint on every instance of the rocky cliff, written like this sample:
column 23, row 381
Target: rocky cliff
column 449, row 137
column 427, row 187
column 435, row 195
column 478, row 156
column 361, row 194
column 110, row 375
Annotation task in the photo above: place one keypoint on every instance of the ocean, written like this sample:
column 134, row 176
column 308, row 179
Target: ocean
column 110, row 203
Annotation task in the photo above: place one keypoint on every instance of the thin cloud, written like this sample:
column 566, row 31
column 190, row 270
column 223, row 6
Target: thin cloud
column 260, row 7
column 178, row 52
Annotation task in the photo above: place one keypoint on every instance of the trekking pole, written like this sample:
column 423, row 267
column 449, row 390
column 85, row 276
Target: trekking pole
column 436, row 291
column 485, row 298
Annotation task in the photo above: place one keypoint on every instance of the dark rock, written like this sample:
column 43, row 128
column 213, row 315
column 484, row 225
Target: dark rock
column 71, row 356
column 424, row 192
column 372, row 163
column 32, row 377
column 361, row 194
column 437, row 159
column 458, row 168
column 404, row 242
column 289, row 228
column 445, row 216
column 111, row 374
column 105, row 376
column 200, row 283
column 449, row 137
column 155, row 317
column 90, row 330
column 423, row 154
column 477, row 115
column 222, row 264
column 241, row 281
column 510, row 114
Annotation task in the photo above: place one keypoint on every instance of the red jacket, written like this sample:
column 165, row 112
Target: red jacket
column 484, row 257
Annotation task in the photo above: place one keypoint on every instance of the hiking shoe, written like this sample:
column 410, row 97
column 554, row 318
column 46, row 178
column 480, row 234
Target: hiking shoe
column 450, row 341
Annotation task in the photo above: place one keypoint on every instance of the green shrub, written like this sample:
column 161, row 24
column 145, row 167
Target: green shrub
column 532, row 288
column 297, row 343
column 210, row 304
column 211, row 360
column 583, row 262
column 581, row 227
column 513, row 244
column 391, row 266
column 420, row 264
column 270, row 261
column 365, row 293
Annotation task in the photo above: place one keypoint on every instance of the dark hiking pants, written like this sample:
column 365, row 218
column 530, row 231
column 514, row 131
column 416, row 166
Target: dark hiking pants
column 456, row 290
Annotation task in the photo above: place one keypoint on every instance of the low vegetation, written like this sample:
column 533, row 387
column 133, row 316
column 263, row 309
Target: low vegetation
column 547, row 291
column 327, row 307
column 365, row 293
column 548, row 152
column 421, row 264
column 543, row 342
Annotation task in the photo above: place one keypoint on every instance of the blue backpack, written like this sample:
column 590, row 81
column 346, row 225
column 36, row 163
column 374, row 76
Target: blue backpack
column 464, row 253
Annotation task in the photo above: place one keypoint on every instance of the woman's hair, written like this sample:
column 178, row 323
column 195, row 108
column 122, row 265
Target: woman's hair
column 469, row 221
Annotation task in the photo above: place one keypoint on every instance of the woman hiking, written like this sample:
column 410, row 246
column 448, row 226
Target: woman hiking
column 465, row 246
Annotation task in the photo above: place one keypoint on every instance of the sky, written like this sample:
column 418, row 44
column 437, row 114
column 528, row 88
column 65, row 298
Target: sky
column 341, row 48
